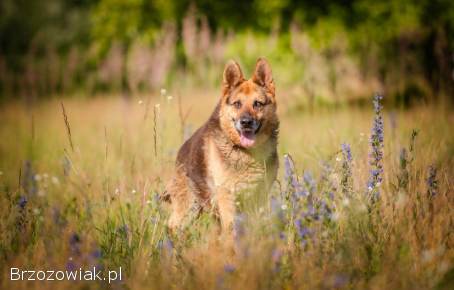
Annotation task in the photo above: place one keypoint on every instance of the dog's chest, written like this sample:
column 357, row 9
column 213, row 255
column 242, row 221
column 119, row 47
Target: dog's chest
column 237, row 171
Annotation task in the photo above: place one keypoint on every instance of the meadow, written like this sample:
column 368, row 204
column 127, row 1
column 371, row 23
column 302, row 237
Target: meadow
column 364, row 197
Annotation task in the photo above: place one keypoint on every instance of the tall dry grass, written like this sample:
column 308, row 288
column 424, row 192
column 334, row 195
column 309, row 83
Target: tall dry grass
column 97, row 204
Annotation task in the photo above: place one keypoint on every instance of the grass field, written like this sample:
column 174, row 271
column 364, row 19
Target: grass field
column 84, row 191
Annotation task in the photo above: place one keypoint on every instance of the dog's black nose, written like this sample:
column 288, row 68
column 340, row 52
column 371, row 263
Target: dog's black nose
column 246, row 122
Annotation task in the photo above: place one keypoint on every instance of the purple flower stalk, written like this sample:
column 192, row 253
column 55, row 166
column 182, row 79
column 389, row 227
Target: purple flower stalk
column 22, row 202
column 376, row 154
column 290, row 174
column 229, row 268
column 74, row 244
column 325, row 180
column 309, row 182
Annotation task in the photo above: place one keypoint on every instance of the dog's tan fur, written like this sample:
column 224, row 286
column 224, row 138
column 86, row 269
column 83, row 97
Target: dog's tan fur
column 212, row 167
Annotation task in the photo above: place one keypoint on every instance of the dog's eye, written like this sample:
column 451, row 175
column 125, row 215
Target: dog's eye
column 258, row 104
column 237, row 104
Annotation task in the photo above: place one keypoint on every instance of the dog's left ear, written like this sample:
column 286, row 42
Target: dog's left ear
column 263, row 76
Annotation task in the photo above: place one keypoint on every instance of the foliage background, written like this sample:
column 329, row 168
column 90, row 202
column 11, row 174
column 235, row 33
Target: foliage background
column 321, row 51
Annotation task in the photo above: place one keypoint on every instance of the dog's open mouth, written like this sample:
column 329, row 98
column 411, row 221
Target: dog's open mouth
column 248, row 136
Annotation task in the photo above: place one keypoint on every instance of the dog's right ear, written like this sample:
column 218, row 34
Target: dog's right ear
column 233, row 77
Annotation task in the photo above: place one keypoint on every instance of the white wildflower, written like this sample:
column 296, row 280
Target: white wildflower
column 55, row 180
column 346, row 201
column 335, row 216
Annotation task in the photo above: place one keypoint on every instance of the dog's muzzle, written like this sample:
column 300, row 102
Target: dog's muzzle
column 248, row 128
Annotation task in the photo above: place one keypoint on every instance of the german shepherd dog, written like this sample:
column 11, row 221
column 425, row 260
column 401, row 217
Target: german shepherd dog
column 232, row 153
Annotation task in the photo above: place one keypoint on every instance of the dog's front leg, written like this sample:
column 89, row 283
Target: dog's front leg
column 226, row 207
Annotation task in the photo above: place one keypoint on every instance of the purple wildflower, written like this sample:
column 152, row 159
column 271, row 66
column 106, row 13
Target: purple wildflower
column 96, row 253
column 169, row 245
column 71, row 266
column 74, row 244
column 95, row 256
column 302, row 231
column 290, row 174
column 376, row 154
column 325, row 180
column 22, row 218
column 325, row 210
column 22, row 202
column 74, row 240
column 276, row 257
column 339, row 281
column 310, row 185
column 165, row 246
column 238, row 226
column 282, row 236
column 229, row 268
column 289, row 166
column 346, row 152
column 309, row 182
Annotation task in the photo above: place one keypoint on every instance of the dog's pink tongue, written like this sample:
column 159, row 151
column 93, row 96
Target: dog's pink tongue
column 247, row 140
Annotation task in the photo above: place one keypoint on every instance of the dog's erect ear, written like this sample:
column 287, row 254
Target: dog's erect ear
column 263, row 76
column 233, row 77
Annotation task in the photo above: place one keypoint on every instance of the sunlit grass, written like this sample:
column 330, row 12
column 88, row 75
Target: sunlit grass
column 96, row 203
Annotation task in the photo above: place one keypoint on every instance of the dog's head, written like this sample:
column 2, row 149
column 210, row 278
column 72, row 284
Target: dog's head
column 248, row 107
